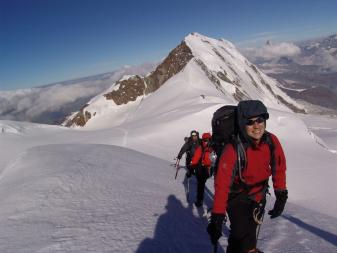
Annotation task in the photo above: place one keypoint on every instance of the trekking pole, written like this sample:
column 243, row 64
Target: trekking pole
column 177, row 166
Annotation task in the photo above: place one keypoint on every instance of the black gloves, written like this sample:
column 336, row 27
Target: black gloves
column 214, row 228
column 281, row 199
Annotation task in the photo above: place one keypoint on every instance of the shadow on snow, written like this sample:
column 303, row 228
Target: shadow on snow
column 327, row 236
column 178, row 229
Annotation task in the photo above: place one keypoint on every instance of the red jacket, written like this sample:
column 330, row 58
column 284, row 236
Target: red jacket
column 257, row 170
column 202, row 153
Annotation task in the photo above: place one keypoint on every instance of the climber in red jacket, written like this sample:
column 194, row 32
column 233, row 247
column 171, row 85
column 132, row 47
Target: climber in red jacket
column 242, row 191
column 201, row 162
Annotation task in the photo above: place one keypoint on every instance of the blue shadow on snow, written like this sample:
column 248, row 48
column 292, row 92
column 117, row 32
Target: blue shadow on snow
column 327, row 236
column 178, row 230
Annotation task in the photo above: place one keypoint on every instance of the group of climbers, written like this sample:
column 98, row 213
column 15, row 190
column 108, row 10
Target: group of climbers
column 198, row 160
column 243, row 167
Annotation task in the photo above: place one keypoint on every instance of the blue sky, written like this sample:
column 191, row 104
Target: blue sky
column 47, row 41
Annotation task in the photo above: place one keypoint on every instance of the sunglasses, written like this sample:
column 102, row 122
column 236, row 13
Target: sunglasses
column 251, row 122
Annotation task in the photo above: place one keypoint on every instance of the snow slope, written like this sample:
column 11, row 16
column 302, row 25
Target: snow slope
column 82, row 198
column 104, row 198
column 78, row 196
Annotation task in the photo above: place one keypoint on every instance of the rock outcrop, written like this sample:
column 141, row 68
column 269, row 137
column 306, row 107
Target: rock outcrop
column 135, row 86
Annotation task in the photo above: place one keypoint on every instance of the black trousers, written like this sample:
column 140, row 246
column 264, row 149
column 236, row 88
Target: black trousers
column 242, row 237
column 188, row 162
column 202, row 176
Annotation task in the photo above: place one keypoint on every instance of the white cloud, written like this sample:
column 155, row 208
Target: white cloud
column 53, row 98
column 27, row 104
column 20, row 105
column 272, row 51
column 321, row 58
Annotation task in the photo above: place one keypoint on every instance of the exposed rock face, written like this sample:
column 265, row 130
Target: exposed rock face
column 253, row 81
column 80, row 119
column 128, row 90
column 238, row 95
column 219, row 55
column 223, row 76
column 174, row 63
column 136, row 86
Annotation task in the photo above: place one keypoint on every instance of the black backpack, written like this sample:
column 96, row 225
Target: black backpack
column 225, row 130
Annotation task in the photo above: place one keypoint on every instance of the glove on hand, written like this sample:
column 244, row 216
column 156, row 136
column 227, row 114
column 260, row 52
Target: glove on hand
column 281, row 199
column 190, row 170
column 214, row 228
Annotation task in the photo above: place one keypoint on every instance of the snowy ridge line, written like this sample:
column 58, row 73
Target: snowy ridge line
column 320, row 142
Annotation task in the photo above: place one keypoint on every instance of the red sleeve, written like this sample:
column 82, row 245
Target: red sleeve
column 223, row 179
column 197, row 155
column 279, row 177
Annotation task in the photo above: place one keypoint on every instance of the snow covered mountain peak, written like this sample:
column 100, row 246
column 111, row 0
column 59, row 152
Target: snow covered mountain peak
column 195, row 37
column 199, row 66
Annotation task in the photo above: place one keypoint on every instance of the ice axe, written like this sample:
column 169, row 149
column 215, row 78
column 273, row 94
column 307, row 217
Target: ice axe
column 177, row 166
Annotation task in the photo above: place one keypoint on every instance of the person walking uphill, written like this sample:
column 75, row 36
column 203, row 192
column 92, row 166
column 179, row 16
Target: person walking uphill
column 202, row 163
column 242, row 180
column 189, row 148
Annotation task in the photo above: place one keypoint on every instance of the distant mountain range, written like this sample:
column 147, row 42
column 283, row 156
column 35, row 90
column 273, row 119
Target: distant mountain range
column 308, row 74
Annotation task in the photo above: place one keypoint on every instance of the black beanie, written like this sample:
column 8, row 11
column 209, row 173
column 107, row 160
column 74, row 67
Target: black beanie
column 248, row 109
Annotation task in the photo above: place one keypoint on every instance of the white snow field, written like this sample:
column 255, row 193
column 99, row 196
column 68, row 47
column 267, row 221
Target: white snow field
column 61, row 192
column 110, row 187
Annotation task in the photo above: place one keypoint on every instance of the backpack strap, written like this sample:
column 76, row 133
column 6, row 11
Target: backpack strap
column 242, row 157
column 269, row 141
column 241, row 164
